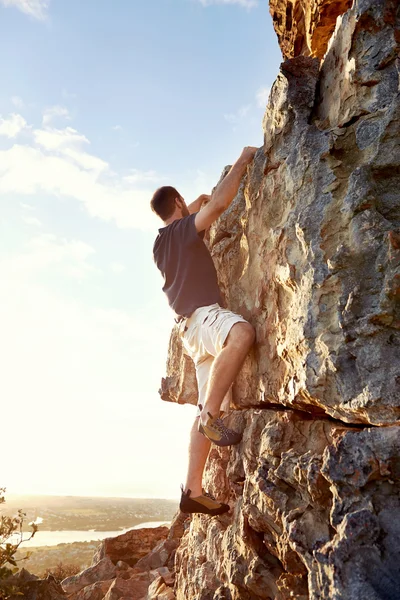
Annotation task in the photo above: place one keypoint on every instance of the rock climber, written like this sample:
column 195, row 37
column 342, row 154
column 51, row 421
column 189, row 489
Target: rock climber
column 217, row 339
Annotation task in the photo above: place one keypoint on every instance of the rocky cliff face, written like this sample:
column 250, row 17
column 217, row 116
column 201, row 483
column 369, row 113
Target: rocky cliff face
column 309, row 253
column 304, row 27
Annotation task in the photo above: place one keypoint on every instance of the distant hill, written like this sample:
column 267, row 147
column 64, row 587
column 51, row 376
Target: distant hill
column 79, row 554
column 62, row 513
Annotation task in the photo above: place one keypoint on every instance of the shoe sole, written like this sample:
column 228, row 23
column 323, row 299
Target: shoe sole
column 192, row 507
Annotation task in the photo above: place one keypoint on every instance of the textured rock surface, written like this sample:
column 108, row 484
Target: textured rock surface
column 305, row 27
column 127, row 588
column 95, row 591
column 127, row 566
column 101, row 571
column 309, row 250
column 315, row 514
column 309, row 253
column 130, row 546
column 158, row 590
column 180, row 384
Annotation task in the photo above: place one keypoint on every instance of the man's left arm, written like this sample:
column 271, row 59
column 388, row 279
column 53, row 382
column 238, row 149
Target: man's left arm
column 195, row 206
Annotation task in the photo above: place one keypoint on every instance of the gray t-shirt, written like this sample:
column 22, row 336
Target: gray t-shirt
column 190, row 278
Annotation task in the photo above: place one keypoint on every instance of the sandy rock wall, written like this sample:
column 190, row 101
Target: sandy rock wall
column 309, row 250
column 309, row 253
column 304, row 27
column 316, row 514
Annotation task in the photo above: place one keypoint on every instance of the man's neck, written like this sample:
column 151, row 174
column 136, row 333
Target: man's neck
column 172, row 218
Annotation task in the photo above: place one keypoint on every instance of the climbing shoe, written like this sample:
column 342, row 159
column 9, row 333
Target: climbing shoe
column 218, row 433
column 204, row 504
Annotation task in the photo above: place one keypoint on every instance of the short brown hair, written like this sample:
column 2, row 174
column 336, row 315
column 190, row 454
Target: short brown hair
column 163, row 201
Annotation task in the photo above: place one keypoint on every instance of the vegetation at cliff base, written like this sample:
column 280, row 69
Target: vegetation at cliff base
column 11, row 537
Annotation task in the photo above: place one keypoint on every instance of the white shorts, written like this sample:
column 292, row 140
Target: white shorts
column 203, row 336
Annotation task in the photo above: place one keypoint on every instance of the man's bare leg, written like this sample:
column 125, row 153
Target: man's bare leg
column 224, row 370
column 192, row 499
column 226, row 367
column 199, row 448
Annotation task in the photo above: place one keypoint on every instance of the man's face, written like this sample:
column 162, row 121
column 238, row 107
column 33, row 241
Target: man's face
column 183, row 207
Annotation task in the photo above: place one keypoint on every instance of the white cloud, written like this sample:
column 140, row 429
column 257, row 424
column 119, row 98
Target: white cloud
column 53, row 162
column 117, row 128
column 198, row 183
column 244, row 3
column 56, row 162
column 137, row 176
column 118, row 268
column 47, row 251
column 26, row 206
column 12, row 126
column 56, row 139
column 29, row 171
column 86, row 161
column 18, row 102
column 33, row 8
column 239, row 115
column 262, row 96
column 32, row 221
column 53, row 112
column 68, row 142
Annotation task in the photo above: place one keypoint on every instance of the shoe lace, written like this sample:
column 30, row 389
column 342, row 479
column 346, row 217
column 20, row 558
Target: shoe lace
column 209, row 495
column 219, row 425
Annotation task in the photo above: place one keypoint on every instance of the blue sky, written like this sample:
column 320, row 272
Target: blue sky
column 100, row 103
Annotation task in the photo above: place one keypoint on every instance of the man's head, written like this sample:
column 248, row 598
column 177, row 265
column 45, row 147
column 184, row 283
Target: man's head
column 167, row 202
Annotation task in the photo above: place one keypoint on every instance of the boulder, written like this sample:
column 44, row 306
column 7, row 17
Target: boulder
column 101, row 571
column 158, row 590
column 94, row 591
column 127, row 588
column 130, row 546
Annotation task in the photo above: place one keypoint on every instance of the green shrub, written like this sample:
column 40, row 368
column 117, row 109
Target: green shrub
column 61, row 571
column 11, row 537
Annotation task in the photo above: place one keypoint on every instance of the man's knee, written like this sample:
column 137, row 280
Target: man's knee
column 243, row 334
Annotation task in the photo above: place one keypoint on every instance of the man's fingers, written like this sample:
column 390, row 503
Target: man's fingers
column 252, row 150
column 249, row 153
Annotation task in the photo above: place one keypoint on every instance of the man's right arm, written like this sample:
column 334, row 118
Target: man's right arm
column 225, row 191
